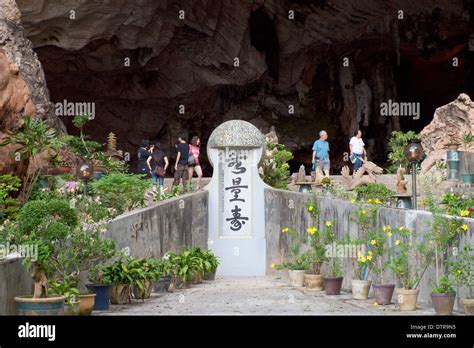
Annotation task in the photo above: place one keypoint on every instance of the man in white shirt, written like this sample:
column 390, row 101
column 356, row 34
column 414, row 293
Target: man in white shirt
column 357, row 149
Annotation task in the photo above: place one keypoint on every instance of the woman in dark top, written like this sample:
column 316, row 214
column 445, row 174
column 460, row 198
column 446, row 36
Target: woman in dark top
column 157, row 163
column 143, row 154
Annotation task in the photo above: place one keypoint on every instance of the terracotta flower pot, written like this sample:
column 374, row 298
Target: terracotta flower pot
column 383, row 293
column 360, row 289
column 468, row 304
column 72, row 309
column 296, row 277
column 407, row 298
column 314, row 282
column 119, row 293
column 86, row 305
column 333, row 285
column 443, row 303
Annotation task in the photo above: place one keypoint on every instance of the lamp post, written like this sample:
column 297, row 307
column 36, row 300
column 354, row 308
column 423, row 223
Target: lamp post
column 414, row 153
column 84, row 172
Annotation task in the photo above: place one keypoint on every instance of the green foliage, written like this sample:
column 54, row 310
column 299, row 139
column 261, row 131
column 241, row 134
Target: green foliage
column 458, row 204
column 65, row 288
column 277, row 170
column 175, row 192
column 118, row 272
column 397, row 144
column 445, row 286
column 9, row 206
column 463, row 269
column 121, row 191
column 80, row 147
column 51, row 219
column 35, row 137
column 112, row 165
column 374, row 191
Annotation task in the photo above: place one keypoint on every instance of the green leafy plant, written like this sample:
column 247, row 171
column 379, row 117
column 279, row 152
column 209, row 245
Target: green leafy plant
column 397, row 144
column 121, row 191
column 276, row 170
column 9, row 206
column 112, row 165
column 462, row 269
column 79, row 121
column 316, row 255
column 65, row 288
column 296, row 260
column 374, row 191
column 445, row 286
column 81, row 146
column 458, row 204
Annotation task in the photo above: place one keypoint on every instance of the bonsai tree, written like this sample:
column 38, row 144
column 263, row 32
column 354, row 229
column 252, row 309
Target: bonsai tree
column 276, row 170
column 44, row 225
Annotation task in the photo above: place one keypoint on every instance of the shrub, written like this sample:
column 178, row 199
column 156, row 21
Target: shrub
column 277, row 170
column 374, row 191
column 397, row 144
column 9, row 185
column 457, row 204
column 121, row 191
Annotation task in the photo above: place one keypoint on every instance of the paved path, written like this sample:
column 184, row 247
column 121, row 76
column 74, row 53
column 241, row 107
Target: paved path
column 254, row 296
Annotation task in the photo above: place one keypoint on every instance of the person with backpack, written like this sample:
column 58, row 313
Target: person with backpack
column 193, row 161
column 157, row 163
column 181, row 165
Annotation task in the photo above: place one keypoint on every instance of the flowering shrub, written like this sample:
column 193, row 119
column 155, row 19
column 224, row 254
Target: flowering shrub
column 458, row 204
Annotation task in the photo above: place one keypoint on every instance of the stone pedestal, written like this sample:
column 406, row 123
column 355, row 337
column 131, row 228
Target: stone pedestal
column 236, row 199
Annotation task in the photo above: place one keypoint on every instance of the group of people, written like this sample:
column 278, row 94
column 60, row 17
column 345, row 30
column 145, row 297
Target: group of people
column 153, row 162
column 320, row 156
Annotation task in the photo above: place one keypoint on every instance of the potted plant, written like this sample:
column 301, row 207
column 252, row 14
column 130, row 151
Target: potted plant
column 404, row 250
column 100, row 286
column 466, row 140
column 383, row 292
column 119, row 276
column 166, row 272
column 144, row 273
column 333, row 279
column 443, row 296
column 462, row 271
column 42, row 226
column 297, row 264
column 70, row 292
column 360, row 283
column 316, row 256
column 211, row 264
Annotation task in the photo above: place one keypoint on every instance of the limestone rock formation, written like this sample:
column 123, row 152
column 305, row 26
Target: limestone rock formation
column 22, row 84
column 449, row 123
column 142, row 62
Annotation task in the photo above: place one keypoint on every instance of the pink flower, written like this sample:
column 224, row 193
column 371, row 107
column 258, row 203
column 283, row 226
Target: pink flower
column 103, row 232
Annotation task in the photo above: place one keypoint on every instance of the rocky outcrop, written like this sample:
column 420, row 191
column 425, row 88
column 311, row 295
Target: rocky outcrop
column 449, row 124
column 302, row 65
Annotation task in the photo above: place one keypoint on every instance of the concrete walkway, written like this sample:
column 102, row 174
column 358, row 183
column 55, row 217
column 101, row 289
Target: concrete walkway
column 254, row 296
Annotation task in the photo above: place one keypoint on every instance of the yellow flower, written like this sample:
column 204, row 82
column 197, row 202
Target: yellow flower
column 378, row 201
column 370, row 200
column 273, row 265
column 328, row 223
column 387, row 228
column 459, row 271
column 363, row 212
column 353, row 200
column 311, row 230
column 465, row 227
column 401, row 228
column 389, row 234
column 397, row 242
column 373, row 242
column 464, row 212
column 310, row 208
column 369, row 253
column 369, row 257
column 363, row 259
column 284, row 230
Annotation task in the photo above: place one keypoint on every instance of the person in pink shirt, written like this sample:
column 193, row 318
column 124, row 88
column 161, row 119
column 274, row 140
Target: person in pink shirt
column 193, row 161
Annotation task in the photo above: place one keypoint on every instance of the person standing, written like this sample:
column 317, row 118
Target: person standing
column 143, row 154
column 157, row 163
column 193, row 161
column 321, row 153
column 181, row 165
column 357, row 149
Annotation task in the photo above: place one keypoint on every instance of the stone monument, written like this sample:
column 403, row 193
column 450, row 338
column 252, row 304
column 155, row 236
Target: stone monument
column 236, row 199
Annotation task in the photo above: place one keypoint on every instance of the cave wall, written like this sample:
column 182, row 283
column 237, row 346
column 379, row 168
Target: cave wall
column 283, row 62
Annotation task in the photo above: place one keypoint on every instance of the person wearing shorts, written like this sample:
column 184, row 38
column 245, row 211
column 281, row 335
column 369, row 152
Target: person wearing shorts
column 193, row 162
column 321, row 153
column 181, row 165
column 157, row 159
